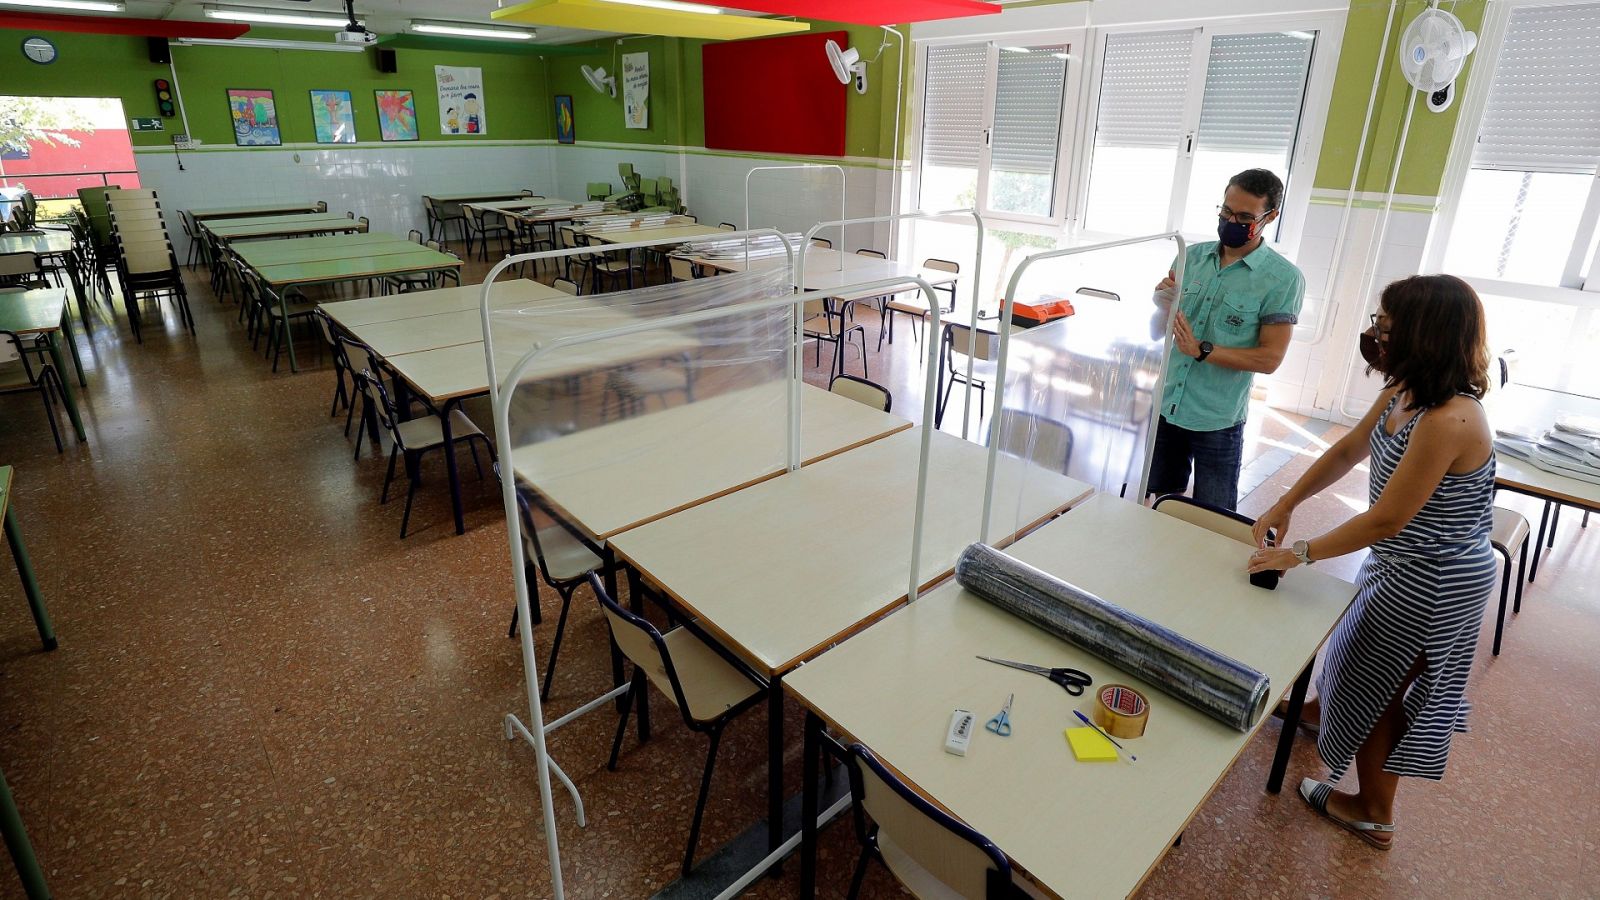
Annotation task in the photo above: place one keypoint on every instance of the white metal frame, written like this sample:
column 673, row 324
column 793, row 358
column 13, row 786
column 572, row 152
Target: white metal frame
column 837, row 168
column 501, row 392
column 1580, row 277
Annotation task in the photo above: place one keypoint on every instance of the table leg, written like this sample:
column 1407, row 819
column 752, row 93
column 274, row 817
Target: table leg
column 77, row 291
column 775, row 767
column 809, row 801
column 16, row 837
column 1538, row 544
column 66, row 387
column 610, row 578
column 450, row 465
column 30, row 584
column 938, row 381
column 636, row 603
column 72, row 344
column 1291, row 723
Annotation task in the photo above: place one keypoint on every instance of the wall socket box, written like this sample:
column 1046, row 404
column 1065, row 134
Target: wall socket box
column 183, row 142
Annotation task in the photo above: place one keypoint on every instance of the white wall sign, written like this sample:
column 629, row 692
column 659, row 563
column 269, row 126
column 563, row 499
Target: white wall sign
column 636, row 90
column 461, row 109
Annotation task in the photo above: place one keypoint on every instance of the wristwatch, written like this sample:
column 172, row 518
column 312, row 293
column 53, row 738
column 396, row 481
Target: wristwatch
column 1302, row 552
column 1205, row 350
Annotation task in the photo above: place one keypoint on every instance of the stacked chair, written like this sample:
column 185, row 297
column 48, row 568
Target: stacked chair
column 147, row 266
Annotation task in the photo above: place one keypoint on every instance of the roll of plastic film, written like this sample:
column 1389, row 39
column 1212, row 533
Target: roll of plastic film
column 1121, row 711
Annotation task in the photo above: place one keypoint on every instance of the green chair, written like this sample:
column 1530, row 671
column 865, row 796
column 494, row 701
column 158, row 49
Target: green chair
column 598, row 190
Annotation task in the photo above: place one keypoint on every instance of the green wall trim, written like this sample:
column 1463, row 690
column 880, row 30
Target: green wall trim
column 1428, row 208
column 848, row 162
column 364, row 145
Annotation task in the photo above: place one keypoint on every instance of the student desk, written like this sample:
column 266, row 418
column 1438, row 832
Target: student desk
column 508, row 207
column 256, row 254
column 287, row 207
column 489, row 197
column 1521, row 406
column 1076, row 829
column 508, row 293
column 56, row 245
column 684, row 232
column 828, row 269
column 245, row 229
column 780, row 571
column 43, row 311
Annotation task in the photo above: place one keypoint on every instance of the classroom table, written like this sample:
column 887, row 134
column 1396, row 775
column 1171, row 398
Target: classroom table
column 685, row 231
column 280, row 278
column 254, row 209
column 1074, row 829
column 43, row 311
column 508, row 294
column 245, row 229
column 831, row 269
column 514, row 194
column 508, row 207
column 258, row 254
column 1519, row 406
column 16, row 834
column 780, row 571
column 55, row 244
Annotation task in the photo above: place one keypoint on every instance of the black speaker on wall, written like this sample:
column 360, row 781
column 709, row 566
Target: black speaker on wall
column 160, row 50
column 387, row 63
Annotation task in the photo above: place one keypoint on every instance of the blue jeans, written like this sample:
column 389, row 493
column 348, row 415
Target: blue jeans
column 1215, row 456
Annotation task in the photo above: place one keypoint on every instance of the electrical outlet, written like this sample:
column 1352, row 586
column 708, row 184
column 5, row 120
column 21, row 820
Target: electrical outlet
column 184, row 142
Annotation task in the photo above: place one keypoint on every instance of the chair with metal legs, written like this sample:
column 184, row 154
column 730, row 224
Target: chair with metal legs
column 707, row 689
column 414, row 437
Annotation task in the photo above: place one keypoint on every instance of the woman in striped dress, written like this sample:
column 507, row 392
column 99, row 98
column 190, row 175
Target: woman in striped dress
column 1392, row 689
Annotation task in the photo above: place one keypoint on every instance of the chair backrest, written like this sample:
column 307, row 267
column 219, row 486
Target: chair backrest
column 18, row 265
column 824, row 243
column 366, row 224
column 647, row 187
column 1225, row 522
column 414, row 236
column 681, row 219
column 680, row 269
column 641, row 643
column 565, row 285
column 871, row 254
column 927, row 849
column 1045, row 441
column 322, row 206
column 378, row 396
column 942, row 265
column 728, row 226
column 434, row 245
column 11, row 350
column 862, row 391
column 976, row 344
column 527, row 193
column 187, row 221
column 473, row 215
column 1507, row 361
column 813, row 308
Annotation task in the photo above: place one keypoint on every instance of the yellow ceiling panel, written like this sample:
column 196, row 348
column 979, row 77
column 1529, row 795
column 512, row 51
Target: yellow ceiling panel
column 604, row 15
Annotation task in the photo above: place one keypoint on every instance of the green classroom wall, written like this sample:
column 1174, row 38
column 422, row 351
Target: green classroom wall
column 92, row 65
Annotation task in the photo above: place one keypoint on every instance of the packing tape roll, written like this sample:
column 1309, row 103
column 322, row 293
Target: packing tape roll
column 1121, row 711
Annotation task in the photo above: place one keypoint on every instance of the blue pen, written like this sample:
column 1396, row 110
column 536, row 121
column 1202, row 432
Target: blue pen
column 1085, row 720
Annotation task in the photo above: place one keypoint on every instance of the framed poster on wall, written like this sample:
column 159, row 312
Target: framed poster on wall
column 397, row 115
column 334, row 116
column 255, row 118
column 566, row 125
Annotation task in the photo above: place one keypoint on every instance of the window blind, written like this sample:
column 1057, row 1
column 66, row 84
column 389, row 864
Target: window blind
column 1543, row 113
column 1143, row 82
column 1254, row 87
column 1027, row 110
column 952, row 116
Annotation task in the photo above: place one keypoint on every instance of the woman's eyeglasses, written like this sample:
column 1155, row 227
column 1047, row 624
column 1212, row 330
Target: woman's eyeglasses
column 1373, row 319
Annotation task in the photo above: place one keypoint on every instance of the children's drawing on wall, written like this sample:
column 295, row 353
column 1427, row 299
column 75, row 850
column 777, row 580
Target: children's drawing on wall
column 333, row 114
column 255, row 118
column 461, row 107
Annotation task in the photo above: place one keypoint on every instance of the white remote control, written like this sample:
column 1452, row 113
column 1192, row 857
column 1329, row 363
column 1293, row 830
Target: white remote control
column 960, row 733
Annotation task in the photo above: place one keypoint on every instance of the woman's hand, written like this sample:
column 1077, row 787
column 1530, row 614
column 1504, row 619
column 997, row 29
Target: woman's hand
column 1274, row 559
column 1274, row 520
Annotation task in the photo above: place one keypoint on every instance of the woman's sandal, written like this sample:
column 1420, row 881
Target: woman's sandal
column 1281, row 711
column 1316, row 794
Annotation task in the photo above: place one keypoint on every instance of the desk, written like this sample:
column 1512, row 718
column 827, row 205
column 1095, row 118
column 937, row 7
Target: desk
column 827, row 269
column 507, row 207
column 55, row 244
column 1520, row 406
column 397, row 337
column 1026, row 792
column 513, row 194
column 509, row 293
column 254, row 209
column 780, row 571
column 685, row 232
column 334, row 246
column 280, row 226
column 43, row 311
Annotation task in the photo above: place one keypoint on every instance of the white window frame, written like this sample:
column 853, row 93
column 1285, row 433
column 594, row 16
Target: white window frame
column 1474, row 100
column 1074, row 40
column 1317, row 96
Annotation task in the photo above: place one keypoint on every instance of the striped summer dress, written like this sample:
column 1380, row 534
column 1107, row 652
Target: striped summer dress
column 1421, row 595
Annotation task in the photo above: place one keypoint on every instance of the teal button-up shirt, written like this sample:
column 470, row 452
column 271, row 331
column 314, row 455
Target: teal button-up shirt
column 1226, row 307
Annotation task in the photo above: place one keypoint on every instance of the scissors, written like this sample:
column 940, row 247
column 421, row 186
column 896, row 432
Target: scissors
column 1001, row 723
column 1071, row 680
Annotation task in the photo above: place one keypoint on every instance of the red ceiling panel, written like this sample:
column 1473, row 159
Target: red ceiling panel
column 866, row 12
column 117, row 25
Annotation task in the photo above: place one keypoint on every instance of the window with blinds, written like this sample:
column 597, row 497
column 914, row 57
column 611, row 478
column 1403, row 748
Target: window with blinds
column 1254, row 87
column 1027, row 110
column 1143, row 84
column 1543, row 111
column 952, row 106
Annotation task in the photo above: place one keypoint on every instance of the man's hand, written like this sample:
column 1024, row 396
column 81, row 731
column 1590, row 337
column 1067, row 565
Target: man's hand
column 1169, row 282
column 1183, row 336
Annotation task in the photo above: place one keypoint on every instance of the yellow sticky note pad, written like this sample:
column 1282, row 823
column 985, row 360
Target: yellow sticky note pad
column 1089, row 745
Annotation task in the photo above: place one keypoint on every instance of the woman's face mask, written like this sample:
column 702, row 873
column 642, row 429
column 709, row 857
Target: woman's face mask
column 1375, row 346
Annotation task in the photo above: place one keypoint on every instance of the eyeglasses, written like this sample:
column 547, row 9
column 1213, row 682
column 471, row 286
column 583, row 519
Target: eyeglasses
column 1242, row 218
column 1373, row 319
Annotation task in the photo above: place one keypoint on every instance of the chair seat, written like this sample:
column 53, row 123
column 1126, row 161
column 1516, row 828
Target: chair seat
column 614, row 265
column 426, row 432
column 565, row 557
column 1509, row 531
column 711, row 685
column 655, row 381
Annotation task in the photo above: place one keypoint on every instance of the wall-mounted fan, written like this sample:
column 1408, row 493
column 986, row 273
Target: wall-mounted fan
column 600, row 80
column 1433, row 51
column 848, row 65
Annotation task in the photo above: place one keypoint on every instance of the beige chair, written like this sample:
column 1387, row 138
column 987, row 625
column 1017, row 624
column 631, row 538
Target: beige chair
column 916, row 310
column 1042, row 440
column 982, row 347
column 1227, row 523
column 707, row 689
column 862, row 391
column 825, row 323
column 21, row 270
column 728, row 226
column 681, row 269
column 933, row 854
column 19, row 374
column 565, row 285
column 1509, row 536
column 416, row 436
column 822, row 243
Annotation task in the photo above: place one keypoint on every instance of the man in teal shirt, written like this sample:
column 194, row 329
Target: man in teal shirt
column 1239, row 305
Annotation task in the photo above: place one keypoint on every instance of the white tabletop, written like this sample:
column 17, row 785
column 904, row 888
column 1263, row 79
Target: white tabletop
column 501, row 207
column 827, row 269
column 1077, row 829
column 1520, row 406
column 619, row 476
column 413, row 304
column 677, row 232
column 783, row 569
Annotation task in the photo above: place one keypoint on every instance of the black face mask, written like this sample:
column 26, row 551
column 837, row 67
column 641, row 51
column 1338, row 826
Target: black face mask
column 1374, row 350
column 1233, row 234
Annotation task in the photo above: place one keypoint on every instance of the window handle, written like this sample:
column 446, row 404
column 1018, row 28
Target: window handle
column 1188, row 143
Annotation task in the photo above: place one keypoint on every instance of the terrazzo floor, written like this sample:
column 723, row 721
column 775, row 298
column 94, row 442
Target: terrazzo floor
column 262, row 691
